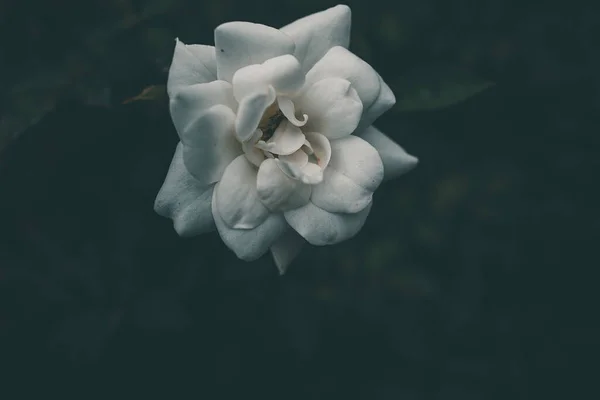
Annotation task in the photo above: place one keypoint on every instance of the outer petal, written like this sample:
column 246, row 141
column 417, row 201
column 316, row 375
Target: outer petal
column 395, row 160
column 202, row 101
column 385, row 100
column 333, row 107
column 277, row 191
column 353, row 174
column 208, row 163
column 191, row 64
column 317, row 33
column 286, row 248
column 358, row 160
column 239, row 44
column 338, row 193
column 205, row 122
column 320, row 227
column 341, row 63
column 239, row 205
column 283, row 73
column 253, row 243
column 185, row 200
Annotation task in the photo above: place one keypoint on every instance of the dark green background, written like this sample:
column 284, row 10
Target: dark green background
column 468, row 280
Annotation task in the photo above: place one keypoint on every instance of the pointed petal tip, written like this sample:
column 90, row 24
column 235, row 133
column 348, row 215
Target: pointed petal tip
column 402, row 165
column 245, row 256
column 412, row 161
column 338, row 12
column 342, row 9
column 285, row 250
column 160, row 206
column 281, row 266
column 183, row 228
column 163, row 205
column 179, row 227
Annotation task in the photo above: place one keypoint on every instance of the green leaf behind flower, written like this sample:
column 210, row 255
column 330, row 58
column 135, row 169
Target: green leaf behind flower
column 436, row 87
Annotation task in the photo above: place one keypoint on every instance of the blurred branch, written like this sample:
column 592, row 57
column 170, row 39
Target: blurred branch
column 153, row 92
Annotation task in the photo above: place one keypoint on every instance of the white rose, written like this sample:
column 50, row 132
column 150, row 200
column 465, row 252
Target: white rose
column 277, row 146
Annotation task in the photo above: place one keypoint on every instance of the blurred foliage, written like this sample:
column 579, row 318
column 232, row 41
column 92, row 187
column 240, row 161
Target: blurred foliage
column 450, row 290
column 73, row 69
column 429, row 88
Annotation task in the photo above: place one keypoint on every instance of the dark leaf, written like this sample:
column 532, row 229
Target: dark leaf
column 434, row 87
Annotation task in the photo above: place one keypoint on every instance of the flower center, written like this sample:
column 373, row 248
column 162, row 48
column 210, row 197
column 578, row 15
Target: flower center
column 278, row 136
column 270, row 120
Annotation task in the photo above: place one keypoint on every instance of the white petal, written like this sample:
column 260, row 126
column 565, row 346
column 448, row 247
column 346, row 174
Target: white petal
column 185, row 200
column 358, row 160
column 238, row 44
column 333, row 106
column 299, row 158
column 286, row 139
column 317, row 33
column 338, row 193
column 191, row 64
column 250, row 112
column 238, row 202
column 321, row 148
column 286, row 248
column 310, row 173
column 204, row 121
column 354, row 172
column 255, row 137
column 209, row 101
column 249, row 80
column 385, row 100
column 207, row 163
column 249, row 244
column 320, row 227
column 277, row 191
column 307, row 147
column 283, row 73
column 341, row 63
column 253, row 154
column 287, row 108
column 396, row 161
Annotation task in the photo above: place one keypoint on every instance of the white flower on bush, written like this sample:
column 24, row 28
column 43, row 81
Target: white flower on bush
column 276, row 142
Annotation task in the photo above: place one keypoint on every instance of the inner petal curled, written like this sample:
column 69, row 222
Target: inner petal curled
column 287, row 108
column 286, row 139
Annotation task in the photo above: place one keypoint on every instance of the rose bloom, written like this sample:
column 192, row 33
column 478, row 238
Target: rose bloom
column 277, row 146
